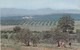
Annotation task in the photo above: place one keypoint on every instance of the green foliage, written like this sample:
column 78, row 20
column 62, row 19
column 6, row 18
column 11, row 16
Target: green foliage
column 6, row 34
column 66, row 23
column 64, row 27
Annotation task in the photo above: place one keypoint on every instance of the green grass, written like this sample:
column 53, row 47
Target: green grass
column 10, row 43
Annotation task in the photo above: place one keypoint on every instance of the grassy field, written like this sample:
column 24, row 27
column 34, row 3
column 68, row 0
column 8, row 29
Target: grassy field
column 10, row 45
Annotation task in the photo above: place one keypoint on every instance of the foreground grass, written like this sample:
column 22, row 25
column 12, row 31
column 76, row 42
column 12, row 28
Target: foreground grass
column 40, row 48
column 5, row 43
column 11, row 45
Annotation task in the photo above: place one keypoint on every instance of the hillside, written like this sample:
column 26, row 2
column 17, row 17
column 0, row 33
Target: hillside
column 22, row 12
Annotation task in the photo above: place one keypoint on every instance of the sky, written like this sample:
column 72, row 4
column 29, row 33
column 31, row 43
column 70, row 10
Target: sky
column 40, row 4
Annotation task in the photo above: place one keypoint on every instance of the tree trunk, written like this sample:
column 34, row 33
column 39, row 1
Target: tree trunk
column 58, row 44
column 28, row 44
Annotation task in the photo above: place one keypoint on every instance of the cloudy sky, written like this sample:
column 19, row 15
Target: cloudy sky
column 39, row 4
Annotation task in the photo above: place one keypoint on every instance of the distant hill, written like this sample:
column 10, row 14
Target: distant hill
column 24, row 12
column 15, row 20
column 13, row 15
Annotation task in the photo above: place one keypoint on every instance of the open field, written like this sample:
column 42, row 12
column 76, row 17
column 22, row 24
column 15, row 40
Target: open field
column 45, row 47
column 7, row 27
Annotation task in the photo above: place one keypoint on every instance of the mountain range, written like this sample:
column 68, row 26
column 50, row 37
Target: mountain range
column 25, row 12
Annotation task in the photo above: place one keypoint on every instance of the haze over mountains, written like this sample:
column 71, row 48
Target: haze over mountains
column 24, row 12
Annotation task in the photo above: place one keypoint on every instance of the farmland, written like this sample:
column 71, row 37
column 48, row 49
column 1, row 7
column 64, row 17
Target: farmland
column 36, row 25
